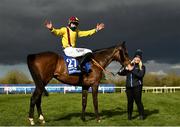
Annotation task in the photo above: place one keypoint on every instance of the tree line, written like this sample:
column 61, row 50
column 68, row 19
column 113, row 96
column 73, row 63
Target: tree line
column 171, row 79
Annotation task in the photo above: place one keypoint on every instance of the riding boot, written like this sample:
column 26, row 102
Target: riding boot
column 86, row 58
column 129, row 116
column 141, row 117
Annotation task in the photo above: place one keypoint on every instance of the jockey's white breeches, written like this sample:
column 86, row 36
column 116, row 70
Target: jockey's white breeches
column 76, row 52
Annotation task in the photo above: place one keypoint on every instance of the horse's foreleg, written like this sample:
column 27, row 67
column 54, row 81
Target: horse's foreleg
column 95, row 101
column 84, row 101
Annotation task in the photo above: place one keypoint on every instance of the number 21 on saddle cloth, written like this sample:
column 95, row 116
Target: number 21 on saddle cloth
column 72, row 65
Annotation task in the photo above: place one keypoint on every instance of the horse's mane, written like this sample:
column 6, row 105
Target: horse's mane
column 104, row 49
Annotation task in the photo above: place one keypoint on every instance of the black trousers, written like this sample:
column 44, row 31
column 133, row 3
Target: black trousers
column 134, row 94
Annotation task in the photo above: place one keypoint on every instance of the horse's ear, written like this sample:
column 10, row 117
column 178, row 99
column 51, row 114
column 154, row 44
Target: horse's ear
column 123, row 44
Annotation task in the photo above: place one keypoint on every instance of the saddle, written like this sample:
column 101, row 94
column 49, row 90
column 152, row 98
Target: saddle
column 78, row 65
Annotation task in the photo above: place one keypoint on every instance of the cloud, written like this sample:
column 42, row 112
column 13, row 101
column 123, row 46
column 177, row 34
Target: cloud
column 152, row 67
column 158, row 73
column 146, row 24
column 177, row 66
column 8, row 68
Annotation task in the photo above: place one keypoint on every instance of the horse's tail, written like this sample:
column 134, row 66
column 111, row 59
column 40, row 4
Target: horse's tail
column 35, row 75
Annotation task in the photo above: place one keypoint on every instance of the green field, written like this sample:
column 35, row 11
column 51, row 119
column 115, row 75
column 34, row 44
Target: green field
column 65, row 110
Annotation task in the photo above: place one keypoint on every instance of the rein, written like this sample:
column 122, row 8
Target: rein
column 104, row 70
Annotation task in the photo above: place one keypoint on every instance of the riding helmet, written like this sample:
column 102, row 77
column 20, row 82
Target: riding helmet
column 138, row 53
column 73, row 19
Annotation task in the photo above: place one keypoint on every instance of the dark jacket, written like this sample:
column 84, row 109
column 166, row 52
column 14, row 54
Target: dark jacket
column 135, row 77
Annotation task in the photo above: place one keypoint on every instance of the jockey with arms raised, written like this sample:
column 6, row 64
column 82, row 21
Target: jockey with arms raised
column 69, row 35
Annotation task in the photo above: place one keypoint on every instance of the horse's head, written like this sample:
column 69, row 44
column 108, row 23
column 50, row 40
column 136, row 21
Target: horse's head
column 121, row 54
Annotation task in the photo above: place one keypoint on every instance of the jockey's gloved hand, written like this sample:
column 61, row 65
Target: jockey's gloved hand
column 48, row 24
column 99, row 26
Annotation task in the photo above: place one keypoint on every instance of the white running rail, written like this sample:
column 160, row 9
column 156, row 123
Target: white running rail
column 8, row 89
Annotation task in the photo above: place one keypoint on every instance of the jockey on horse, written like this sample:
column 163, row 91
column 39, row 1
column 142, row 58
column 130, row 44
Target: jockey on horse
column 69, row 35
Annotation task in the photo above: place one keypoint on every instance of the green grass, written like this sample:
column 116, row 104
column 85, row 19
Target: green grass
column 65, row 110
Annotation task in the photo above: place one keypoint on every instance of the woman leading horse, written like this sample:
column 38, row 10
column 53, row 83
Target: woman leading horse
column 45, row 66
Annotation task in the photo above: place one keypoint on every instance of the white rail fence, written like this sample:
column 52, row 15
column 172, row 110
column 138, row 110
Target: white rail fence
column 152, row 89
column 65, row 89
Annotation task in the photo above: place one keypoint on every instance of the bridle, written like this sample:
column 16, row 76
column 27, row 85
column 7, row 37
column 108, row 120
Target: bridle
column 111, row 74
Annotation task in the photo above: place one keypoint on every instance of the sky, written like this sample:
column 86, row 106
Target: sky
column 151, row 25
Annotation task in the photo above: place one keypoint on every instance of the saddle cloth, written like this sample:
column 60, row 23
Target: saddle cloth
column 72, row 65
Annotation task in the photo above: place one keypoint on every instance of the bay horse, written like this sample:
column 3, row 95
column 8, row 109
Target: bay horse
column 47, row 65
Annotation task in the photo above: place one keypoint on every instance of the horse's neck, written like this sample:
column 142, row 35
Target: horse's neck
column 105, row 57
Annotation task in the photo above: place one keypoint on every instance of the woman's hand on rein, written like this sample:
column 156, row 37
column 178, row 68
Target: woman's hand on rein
column 129, row 67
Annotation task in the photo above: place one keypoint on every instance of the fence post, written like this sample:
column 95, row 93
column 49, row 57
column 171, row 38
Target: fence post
column 170, row 90
column 165, row 91
column 64, row 90
column 7, row 92
column 25, row 90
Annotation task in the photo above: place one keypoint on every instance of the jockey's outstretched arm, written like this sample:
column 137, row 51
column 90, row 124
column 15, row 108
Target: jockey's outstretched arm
column 56, row 32
column 99, row 27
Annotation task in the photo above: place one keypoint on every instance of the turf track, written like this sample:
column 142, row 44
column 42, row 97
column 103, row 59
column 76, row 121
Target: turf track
column 65, row 110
